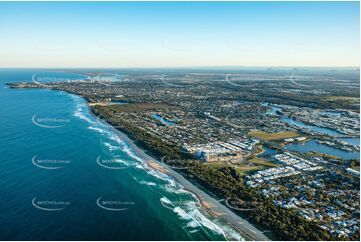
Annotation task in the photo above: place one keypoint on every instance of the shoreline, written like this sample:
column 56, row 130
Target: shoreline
column 211, row 205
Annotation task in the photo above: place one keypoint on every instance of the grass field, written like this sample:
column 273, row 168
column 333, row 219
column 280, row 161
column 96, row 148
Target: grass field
column 262, row 162
column 343, row 98
column 273, row 136
column 245, row 167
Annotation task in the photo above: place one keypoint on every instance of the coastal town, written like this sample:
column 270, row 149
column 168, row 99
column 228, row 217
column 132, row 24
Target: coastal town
column 180, row 120
column 298, row 151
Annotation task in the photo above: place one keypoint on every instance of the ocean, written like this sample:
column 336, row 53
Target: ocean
column 64, row 175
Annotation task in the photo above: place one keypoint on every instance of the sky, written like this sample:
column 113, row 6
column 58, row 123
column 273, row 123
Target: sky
column 179, row 34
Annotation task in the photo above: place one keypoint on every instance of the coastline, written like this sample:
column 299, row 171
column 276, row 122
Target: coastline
column 211, row 205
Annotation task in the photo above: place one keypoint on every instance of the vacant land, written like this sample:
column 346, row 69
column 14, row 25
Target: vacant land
column 244, row 169
column 262, row 162
column 273, row 136
column 343, row 98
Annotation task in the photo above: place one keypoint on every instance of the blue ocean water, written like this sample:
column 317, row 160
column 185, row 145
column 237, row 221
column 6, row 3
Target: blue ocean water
column 66, row 176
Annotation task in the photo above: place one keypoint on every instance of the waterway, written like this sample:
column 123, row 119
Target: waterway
column 312, row 145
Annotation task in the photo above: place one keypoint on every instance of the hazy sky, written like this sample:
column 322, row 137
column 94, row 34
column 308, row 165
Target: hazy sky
column 140, row 34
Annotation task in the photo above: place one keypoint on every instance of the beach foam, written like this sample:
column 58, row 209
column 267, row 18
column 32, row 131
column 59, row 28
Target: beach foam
column 192, row 224
column 165, row 200
column 182, row 214
column 189, row 210
column 110, row 147
column 127, row 150
column 81, row 109
column 143, row 182
column 148, row 183
column 99, row 130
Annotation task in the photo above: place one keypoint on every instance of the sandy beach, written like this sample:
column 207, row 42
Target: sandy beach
column 211, row 205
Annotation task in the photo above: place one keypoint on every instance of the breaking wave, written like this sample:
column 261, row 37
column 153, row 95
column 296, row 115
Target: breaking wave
column 148, row 183
column 197, row 219
column 81, row 109
column 99, row 130
column 188, row 211
column 143, row 182
column 192, row 224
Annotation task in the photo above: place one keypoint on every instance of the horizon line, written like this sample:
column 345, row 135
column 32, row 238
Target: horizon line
column 170, row 67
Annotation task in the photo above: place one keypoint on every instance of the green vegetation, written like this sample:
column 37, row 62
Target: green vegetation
column 355, row 164
column 262, row 162
column 323, row 155
column 346, row 102
column 245, row 170
column 244, row 167
column 227, row 182
column 138, row 107
column 146, row 95
column 343, row 98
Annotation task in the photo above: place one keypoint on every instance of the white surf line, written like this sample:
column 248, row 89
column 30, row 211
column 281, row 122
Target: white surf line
column 216, row 228
column 203, row 223
column 212, row 225
column 186, row 185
